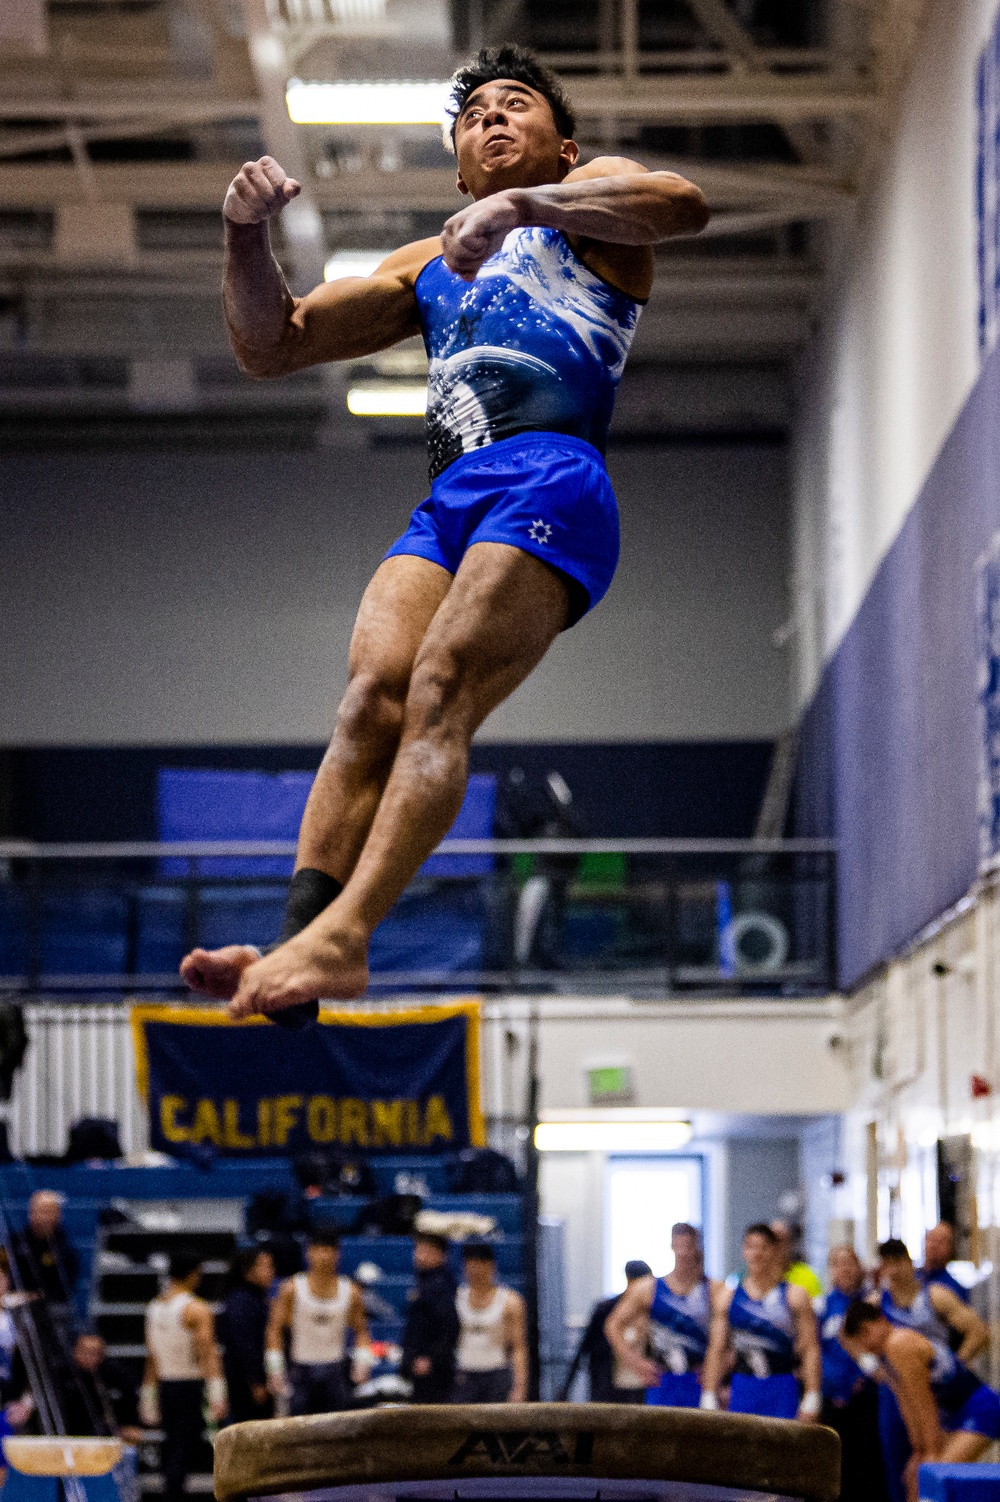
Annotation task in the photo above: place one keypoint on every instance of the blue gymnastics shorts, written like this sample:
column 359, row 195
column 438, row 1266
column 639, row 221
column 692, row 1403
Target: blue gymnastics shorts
column 774, row 1397
column 545, row 493
column 675, row 1390
column 979, row 1414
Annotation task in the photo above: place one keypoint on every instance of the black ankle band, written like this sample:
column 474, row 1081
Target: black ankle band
column 310, row 892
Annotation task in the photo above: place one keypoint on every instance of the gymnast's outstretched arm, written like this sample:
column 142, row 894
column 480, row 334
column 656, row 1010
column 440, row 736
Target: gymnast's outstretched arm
column 273, row 332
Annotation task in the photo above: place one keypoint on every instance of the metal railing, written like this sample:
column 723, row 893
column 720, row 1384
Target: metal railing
column 649, row 917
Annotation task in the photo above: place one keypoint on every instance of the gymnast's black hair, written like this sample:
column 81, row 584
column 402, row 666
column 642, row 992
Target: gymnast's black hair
column 510, row 61
column 761, row 1228
column 859, row 1314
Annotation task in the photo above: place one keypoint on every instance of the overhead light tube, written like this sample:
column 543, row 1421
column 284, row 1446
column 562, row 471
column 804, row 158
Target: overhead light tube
column 349, row 102
column 387, row 399
column 611, row 1136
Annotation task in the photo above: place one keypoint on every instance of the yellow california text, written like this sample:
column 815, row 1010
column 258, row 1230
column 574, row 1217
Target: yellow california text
column 271, row 1120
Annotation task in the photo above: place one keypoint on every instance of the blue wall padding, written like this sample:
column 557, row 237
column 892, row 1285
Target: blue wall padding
column 959, row 1483
column 209, row 805
column 890, row 744
column 197, row 804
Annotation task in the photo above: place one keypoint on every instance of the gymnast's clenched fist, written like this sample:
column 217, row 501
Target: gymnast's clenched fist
column 259, row 190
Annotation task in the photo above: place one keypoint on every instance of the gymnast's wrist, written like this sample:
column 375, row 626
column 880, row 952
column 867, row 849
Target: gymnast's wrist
column 709, row 1402
column 522, row 205
column 811, row 1404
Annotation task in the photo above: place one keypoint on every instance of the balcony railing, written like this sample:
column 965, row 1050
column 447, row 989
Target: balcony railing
column 646, row 917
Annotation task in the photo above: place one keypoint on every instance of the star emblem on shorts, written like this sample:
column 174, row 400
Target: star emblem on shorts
column 539, row 531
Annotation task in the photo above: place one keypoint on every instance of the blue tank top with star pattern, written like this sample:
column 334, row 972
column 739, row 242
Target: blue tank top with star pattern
column 537, row 343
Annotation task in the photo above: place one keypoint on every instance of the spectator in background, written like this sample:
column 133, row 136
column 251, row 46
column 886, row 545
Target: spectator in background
column 46, row 1262
column 431, row 1331
column 850, row 1396
column 99, row 1397
column 795, row 1270
column 182, row 1369
column 241, row 1326
column 610, row 1379
column 492, row 1355
column 939, row 1250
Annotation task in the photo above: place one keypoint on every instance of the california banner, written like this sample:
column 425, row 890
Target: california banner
column 373, row 1082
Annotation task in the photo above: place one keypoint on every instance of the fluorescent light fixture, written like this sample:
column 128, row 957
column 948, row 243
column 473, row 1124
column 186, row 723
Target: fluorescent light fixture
column 356, row 103
column 611, row 1136
column 353, row 263
column 387, row 399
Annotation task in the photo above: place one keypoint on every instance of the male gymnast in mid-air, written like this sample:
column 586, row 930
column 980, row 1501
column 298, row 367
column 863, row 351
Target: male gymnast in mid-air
column 527, row 303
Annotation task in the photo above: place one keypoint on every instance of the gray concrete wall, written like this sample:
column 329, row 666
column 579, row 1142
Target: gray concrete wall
column 196, row 598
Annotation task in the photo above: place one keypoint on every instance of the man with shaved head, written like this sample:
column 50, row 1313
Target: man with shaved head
column 46, row 1262
column 939, row 1250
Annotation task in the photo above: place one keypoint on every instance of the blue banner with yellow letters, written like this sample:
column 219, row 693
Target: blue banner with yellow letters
column 372, row 1082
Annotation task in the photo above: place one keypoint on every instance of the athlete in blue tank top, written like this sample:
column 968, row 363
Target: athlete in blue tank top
column 771, row 1328
column 949, row 1414
column 677, row 1310
column 843, row 1378
column 527, row 303
column 933, row 1312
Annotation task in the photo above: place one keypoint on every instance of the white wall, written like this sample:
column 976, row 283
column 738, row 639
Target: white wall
column 897, row 354
column 916, row 1036
column 186, row 599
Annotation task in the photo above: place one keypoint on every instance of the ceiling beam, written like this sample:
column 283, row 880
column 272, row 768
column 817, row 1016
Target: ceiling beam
column 725, row 27
column 730, row 99
column 202, row 185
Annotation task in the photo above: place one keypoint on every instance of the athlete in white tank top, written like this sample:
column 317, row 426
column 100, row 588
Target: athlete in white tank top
column 314, row 1311
column 492, row 1355
column 482, row 1343
column 318, row 1324
column 183, row 1366
column 170, row 1338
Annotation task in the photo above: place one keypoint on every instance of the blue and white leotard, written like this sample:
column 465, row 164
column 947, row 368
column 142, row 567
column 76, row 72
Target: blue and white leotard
column 964, row 1402
column 525, row 361
column 536, row 343
column 763, row 1335
column 678, row 1334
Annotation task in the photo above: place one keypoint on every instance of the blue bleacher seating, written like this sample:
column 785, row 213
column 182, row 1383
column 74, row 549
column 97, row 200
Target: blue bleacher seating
column 83, row 932
column 13, row 930
column 88, row 1190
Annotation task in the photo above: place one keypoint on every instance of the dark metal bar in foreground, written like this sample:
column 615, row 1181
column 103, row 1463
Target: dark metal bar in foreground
column 597, row 1441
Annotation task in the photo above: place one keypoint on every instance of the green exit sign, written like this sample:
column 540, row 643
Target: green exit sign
column 609, row 1082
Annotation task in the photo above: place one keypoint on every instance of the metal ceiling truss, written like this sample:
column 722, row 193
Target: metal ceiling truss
column 149, row 109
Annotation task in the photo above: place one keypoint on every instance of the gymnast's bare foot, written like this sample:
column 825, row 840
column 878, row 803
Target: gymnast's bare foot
column 310, row 966
column 217, row 972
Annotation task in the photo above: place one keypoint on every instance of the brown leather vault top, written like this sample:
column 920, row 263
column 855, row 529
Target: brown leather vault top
column 592, row 1441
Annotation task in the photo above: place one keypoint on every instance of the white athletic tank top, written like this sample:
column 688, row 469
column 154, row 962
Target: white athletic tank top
column 318, row 1324
column 481, row 1345
column 169, row 1341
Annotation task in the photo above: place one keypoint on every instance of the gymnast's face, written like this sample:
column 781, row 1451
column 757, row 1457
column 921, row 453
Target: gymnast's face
column 506, row 137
